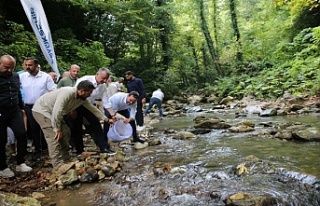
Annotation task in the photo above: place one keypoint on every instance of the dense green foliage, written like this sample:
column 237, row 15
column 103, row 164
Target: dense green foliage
column 232, row 47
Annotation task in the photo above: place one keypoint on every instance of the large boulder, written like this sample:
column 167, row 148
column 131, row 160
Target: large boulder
column 309, row 134
column 213, row 124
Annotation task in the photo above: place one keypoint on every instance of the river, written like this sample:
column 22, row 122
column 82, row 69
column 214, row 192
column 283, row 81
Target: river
column 287, row 172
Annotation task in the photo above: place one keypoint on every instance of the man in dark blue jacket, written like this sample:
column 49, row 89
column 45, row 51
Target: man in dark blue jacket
column 136, row 84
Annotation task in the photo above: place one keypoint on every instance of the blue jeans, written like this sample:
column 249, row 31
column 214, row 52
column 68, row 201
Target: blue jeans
column 152, row 102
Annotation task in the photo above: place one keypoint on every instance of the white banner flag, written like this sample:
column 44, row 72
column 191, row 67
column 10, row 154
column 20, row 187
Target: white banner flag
column 39, row 23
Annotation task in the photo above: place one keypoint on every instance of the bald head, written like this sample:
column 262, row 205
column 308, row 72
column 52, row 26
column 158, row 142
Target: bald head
column 74, row 71
column 7, row 65
column 53, row 76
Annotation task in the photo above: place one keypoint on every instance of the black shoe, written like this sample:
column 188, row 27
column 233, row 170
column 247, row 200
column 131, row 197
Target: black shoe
column 108, row 151
column 138, row 140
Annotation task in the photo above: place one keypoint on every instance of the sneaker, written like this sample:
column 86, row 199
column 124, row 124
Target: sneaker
column 29, row 143
column 6, row 173
column 108, row 151
column 140, row 128
column 23, row 168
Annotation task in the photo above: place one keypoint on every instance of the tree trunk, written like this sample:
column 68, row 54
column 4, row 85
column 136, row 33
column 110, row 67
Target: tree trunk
column 236, row 29
column 206, row 32
column 164, row 27
column 215, row 30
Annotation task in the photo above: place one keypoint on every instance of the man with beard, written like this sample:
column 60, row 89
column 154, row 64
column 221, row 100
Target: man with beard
column 11, row 107
column 49, row 111
column 35, row 83
column 136, row 84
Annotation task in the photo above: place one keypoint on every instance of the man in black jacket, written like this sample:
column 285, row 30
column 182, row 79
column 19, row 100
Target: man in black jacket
column 136, row 84
column 11, row 107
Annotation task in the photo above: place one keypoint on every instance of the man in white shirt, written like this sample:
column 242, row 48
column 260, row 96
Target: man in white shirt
column 99, row 93
column 35, row 83
column 124, row 104
column 157, row 98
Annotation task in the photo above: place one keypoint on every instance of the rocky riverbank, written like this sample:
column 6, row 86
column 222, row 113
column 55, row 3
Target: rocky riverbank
column 94, row 167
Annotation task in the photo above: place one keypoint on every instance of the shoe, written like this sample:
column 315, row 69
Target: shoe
column 29, row 143
column 108, row 151
column 6, row 173
column 23, row 168
column 138, row 140
column 140, row 128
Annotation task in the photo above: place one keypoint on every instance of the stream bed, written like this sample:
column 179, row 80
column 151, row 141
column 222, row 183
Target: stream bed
column 201, row 170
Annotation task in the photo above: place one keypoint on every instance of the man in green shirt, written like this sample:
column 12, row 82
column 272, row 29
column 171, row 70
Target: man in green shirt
column 49, row 111
column 71, row 80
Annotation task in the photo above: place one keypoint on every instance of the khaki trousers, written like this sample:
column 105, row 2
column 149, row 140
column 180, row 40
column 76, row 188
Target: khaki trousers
column 58, row 150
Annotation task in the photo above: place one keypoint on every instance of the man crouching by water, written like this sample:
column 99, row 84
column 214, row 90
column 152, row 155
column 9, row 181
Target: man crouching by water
column 49, row 111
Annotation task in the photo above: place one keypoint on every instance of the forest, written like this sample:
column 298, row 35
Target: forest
column 222, row 47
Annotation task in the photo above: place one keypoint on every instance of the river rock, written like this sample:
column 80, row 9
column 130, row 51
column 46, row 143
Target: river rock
column 200, row 131
column 171, row 102
column 227, row 100
column 309, row 134
column 70, row 177
column 90, row 175
column 242, row 169
column 154, row 142
column 194, row 99
column 108, row 170
column 241, row 128
column 213, row 124
column 201, row 118
column 213, row 99
column 268, row 113
column 13, row 199
column 184, row 135
column 38, row 195
column 285, row 134
column 139, row 145
column 253, row 109
column 296, row 107
column 242, row 199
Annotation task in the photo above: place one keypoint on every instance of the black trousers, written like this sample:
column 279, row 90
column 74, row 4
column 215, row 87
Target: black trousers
column 94, row 128
column 125, row 113
column 139, row 113
column 14, row 120
column 39, row 142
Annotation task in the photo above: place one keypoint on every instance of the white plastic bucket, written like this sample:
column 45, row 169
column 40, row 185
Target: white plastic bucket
column 119, row 131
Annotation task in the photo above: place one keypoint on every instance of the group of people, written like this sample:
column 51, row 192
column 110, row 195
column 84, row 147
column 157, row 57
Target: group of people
column 56, row 111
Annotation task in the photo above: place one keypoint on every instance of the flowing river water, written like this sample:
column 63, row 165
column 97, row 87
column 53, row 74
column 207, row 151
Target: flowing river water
column 203, row 168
